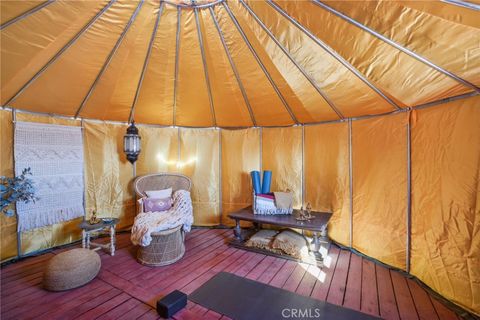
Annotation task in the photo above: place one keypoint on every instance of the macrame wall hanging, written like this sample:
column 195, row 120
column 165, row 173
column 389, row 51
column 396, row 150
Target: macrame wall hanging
column 55, row 155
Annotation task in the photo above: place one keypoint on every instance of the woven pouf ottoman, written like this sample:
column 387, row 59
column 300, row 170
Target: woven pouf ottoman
column 166, row 248
column 71, row 269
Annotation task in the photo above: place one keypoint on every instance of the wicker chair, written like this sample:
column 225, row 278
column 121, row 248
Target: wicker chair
column 167, row 246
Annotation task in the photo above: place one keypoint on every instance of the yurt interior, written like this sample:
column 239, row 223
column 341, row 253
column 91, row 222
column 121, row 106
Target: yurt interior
column 240, row 159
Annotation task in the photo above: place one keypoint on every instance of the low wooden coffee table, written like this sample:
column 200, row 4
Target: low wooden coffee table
column 317, row 225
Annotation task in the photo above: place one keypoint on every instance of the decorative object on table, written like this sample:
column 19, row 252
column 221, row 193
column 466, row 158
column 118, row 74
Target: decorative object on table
column 292, row 243
column 71, row 269
column 55, row 155
column 171, row 304
column 304, row 215
column 283, row 200
column 132, row 143
column 266, row 204
column 158, row 248
column 257, row 188
column 16, row 189
column 309, row 209
column 267, row 181
column 93, row 218
column 108, row 220
column 106, row 226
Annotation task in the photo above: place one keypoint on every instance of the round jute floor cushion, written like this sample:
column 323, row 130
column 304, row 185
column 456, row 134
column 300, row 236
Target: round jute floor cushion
column 71, row 269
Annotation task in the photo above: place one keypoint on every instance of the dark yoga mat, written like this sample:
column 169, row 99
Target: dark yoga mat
column 240, row 298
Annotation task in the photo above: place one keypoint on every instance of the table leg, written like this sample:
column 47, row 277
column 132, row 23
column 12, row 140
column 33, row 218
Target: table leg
column 112, row 240
column 316, row 243
column 237, row 231
column 88, row 240
column 84, row 238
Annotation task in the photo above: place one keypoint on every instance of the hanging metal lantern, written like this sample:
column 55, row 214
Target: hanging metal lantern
column 131, row 143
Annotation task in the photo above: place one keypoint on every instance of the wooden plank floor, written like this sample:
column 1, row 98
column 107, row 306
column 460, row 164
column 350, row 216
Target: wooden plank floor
column 125, row 289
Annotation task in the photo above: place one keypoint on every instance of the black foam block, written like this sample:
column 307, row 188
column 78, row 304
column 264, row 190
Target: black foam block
column 171, row 303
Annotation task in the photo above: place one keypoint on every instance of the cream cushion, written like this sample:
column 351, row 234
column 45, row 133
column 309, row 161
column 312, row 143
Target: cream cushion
column 159, row 194
column 262, row 239
column 71, row 269
column 292, row 243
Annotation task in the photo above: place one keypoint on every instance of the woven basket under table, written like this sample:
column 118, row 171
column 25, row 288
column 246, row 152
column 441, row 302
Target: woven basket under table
column 166, row 247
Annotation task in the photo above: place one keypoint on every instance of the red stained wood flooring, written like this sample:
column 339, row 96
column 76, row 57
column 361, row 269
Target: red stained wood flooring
column 125, row 289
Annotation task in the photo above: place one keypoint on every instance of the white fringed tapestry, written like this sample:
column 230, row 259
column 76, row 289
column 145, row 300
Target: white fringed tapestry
column 55, row 155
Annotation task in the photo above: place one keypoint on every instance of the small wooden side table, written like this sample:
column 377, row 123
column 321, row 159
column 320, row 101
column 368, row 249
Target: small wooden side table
column 101, row 227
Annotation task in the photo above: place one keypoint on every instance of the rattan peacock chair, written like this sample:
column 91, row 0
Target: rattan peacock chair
column 167, row 246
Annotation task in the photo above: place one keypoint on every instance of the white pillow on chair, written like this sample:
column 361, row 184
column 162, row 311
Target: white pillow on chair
column 159, row 194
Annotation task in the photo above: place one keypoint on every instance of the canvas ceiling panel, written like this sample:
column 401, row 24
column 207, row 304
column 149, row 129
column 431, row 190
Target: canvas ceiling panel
column 12, row 9
column 445, row 11
column 8, row 225
column 240, row 155
column 159, row 150
column 305, row 102
column 266, row 105
column 445, row 242
column 282, row 154
column 61, row 88
column 393, row 71
column 113, row 96
column 155, row 101
column 193, row 104
column 350, row 95
column 379, row 151
column 230, row 107
column 199, row 160
column 453, row 46
column 30, row 43
column 108, row 174
column 327, row 176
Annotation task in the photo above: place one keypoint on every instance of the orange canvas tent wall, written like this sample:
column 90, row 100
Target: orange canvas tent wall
column 361, row 113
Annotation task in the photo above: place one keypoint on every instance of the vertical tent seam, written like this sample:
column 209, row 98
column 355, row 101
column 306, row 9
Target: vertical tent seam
column 409, row 192
column 303, row 166
column 82, row 125
column 234, row 68
column 19, row 233
column 178, row 147
column 261, row 149
column 334, row 54
column 220, row 184
column 299, row 67
column 145, row 63
column 350, row 176
column 61, row 51
column 109, row 59
column 260, row 63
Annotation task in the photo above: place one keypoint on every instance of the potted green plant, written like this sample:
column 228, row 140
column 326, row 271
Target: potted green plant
column 16, row 189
